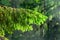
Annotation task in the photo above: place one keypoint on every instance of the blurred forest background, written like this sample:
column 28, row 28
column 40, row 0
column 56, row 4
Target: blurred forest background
column 48, row 28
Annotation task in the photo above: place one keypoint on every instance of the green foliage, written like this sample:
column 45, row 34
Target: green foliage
column 31, row 1
column 30, row 4
column 3, row 38
column 19, row 19
column 5, row 2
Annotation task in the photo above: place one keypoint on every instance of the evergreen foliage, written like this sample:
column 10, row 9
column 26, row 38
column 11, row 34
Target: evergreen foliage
column 19, row 19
